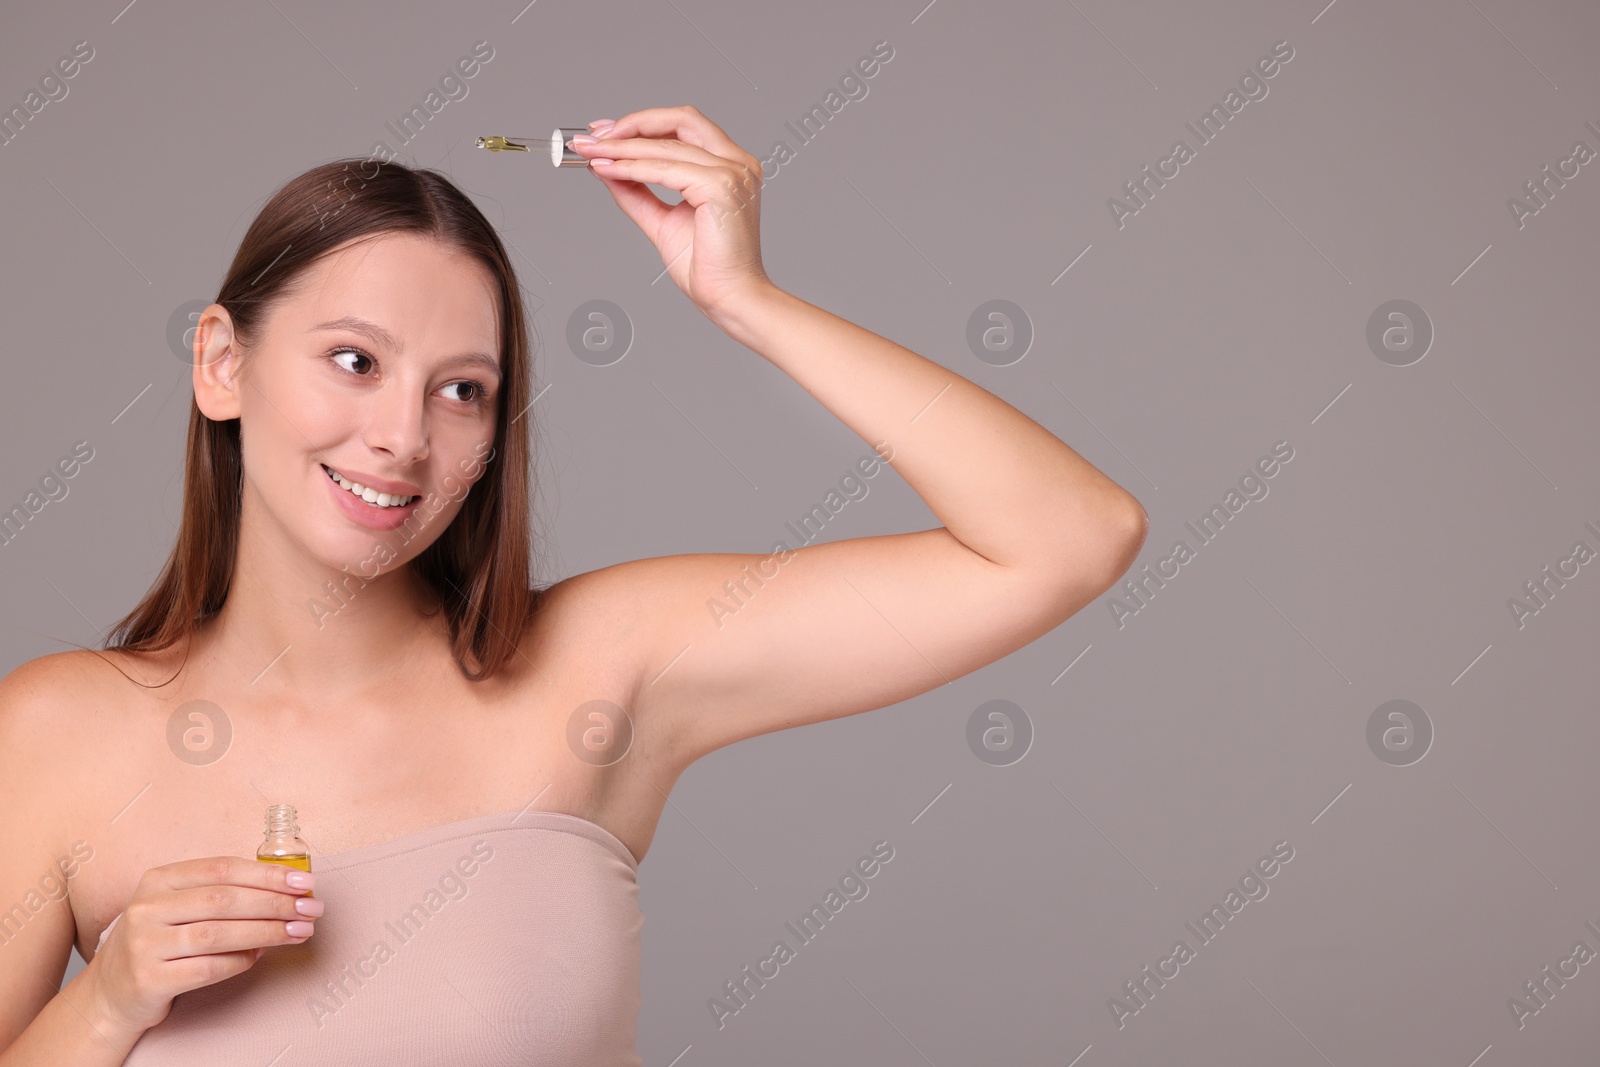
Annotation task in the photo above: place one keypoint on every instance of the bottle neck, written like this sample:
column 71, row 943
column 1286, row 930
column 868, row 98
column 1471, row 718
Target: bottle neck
column 281, row 820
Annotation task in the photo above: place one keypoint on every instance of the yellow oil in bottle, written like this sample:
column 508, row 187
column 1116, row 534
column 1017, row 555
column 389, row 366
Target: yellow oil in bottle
column 282, row 843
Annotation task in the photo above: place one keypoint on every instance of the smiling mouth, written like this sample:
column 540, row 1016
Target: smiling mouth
column 371, row 497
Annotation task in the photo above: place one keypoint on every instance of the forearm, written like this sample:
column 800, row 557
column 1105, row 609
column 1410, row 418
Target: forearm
column 72, row 1030
column 1002, row 484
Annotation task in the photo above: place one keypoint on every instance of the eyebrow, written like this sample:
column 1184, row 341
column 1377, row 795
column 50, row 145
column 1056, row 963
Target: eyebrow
column 382, row 337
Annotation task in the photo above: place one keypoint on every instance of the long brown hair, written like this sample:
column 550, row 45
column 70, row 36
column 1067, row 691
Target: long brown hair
column 479, row 565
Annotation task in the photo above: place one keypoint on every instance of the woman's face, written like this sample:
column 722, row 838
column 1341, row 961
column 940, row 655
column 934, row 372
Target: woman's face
column 384, row 368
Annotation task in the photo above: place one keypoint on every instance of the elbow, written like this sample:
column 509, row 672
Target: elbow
column 1123, row 542
column 1086, row 570
column 1138, row 527
column 1091, row 564
column 1133, row 531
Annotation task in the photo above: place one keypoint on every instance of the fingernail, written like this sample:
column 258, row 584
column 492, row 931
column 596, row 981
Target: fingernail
column 298, row 928
column 259, row 951
column 602, row 124
column 309, row 906
column 302, row 880
column 584, row 138
column 601, row 160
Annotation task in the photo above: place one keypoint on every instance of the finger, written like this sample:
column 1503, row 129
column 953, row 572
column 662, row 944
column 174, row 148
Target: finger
column 745, row 181
column 687, row 124
column 636, row 201
column 698, row 184
column 229, row 870
column 610, row 147
column 259, row 905
column 234, row 902
column 221, row 918
column 229, row 936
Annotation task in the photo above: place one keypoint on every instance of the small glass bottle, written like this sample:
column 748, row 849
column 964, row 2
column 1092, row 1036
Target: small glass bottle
column 282, row 843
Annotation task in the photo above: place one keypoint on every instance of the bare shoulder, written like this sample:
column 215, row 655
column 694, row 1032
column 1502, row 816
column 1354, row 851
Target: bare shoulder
column 623, row 597
column 616, row 610
column 602, row 628
column 48, row 713
column 578, row 610
column 61, row 680
column 48, row 692
column 51, row 707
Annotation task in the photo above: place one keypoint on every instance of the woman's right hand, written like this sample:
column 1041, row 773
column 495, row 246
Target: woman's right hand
column 194, row 923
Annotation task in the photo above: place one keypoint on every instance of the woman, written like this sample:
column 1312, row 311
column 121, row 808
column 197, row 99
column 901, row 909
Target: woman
column 347, row 616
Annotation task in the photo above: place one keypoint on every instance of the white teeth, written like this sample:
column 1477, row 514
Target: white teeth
column 371, row 496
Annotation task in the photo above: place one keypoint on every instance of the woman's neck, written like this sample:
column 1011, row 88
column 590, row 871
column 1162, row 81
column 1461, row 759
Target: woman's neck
column 307, row 630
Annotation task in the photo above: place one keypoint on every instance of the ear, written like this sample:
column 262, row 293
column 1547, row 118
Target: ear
column 216, row 365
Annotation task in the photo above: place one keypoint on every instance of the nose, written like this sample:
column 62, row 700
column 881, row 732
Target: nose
column 397, row 424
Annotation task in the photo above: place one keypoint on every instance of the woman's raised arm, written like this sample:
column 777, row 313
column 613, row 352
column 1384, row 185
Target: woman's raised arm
column 1032, row 531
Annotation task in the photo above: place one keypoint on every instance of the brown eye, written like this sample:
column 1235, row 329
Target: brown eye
column 356, row 352
column 480, row 392
column 477, row 396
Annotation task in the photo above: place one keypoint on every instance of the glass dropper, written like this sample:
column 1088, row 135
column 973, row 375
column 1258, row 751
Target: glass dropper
column 560, row 154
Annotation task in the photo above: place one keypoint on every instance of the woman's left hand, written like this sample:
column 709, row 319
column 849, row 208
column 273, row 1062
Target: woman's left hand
column 711, row 241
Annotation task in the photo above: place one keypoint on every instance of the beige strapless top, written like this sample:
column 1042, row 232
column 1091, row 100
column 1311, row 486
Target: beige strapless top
column 498, row 940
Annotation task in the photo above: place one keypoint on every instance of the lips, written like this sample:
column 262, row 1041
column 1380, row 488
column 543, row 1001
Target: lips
column 375, row 496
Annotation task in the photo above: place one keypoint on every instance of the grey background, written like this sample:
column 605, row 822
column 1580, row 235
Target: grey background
column 1227, row 315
